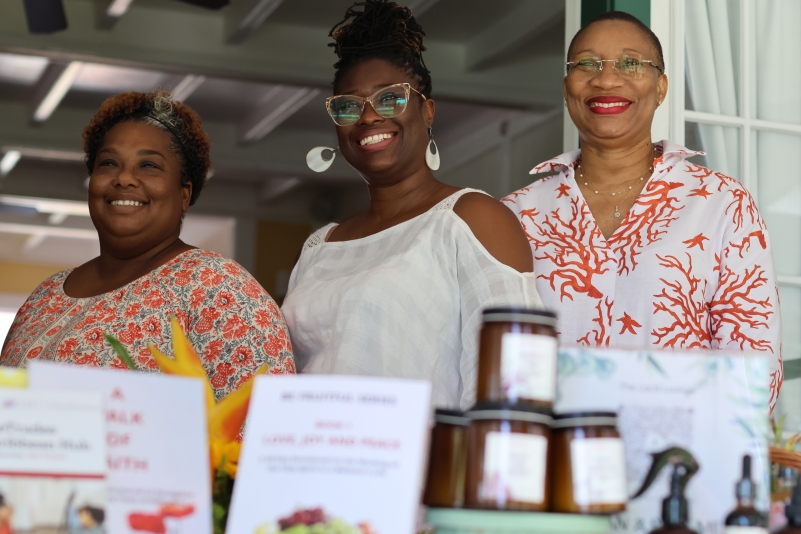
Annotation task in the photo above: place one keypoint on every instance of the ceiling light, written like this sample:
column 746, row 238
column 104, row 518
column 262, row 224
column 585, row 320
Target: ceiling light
column 9, row 161
column 254, row 19
column 46, row 153
column 186, row 87
column 57, row 92
column 54, row 231
column 294, row 100
column 47, row 205
column 117, row 8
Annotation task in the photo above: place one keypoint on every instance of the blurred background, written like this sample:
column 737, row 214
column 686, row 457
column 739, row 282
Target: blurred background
column 258, row 72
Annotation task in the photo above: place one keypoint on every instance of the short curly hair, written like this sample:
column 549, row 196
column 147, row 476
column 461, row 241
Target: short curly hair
column 181, row 122
column 381, row 30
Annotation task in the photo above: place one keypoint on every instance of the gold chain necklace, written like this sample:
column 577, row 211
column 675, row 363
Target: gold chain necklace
column 616, row 204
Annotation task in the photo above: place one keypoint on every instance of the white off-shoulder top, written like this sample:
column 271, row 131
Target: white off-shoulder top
column 405, row 302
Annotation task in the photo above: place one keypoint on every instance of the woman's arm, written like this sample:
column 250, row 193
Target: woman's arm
column 744, row 311
column 497, row 229
column 238, row 327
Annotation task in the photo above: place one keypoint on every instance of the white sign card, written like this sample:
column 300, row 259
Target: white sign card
column 156, row 434
column 52, row 460
column 712, row 403
column 345, row 452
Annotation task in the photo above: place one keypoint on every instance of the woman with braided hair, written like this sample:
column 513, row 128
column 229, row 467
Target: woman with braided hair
column 398, row 290
column 147, row 156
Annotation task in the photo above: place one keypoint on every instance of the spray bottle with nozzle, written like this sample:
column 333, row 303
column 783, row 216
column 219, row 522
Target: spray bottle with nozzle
column 675, row 508
column 745, row 519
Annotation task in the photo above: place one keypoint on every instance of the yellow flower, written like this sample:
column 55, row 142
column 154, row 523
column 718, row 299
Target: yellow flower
column 186, row 362
column 226, row 456
column 226, row 417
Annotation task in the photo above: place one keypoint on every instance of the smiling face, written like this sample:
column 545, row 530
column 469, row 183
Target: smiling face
column 612, row 109
column 136, row 199
column 384, row 150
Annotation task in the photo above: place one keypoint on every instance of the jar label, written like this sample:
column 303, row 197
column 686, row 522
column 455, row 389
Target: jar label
column 514, row 467
column 528, row 366
column 745, row 530
column 599, row 471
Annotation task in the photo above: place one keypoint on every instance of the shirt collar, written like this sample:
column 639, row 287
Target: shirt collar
column 670, row 154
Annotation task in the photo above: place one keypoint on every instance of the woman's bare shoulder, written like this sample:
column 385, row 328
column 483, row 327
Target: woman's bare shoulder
column 497, row 228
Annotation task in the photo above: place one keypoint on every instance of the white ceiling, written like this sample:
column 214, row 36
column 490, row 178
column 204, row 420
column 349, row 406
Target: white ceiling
column 491, row 62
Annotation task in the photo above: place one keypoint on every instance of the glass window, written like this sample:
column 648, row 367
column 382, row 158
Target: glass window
column 721, row 144
column 776, row 67
column 712, row 38
column 778, row 158
column 743, row 107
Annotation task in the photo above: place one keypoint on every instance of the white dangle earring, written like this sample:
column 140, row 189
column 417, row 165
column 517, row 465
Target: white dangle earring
column 316, row 159
column 432, row 153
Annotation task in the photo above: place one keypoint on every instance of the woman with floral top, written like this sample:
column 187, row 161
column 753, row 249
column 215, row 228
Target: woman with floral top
column 147, row 157
column 633, row 245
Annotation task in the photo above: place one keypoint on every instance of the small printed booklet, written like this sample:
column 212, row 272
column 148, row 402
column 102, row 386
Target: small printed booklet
column 52, row 462
column 713, row 404
column 330, row 454
column 157, row 445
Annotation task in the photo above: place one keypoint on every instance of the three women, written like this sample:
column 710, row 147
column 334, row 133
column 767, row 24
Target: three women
column 631, row 244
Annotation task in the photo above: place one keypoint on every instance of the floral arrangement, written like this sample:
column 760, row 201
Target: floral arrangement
column 225, row 417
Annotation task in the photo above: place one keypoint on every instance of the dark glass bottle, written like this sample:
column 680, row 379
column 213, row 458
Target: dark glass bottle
column 793, row 513
column 675, row 509
column 745, row 518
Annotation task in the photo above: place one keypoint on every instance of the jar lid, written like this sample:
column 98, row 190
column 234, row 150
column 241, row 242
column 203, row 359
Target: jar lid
column 451, row 417
column 512, row 412
column 519, row 315
column 577, row 419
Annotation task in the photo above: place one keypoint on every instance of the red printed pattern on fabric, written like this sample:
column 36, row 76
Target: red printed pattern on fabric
column 689, row 266
column 231, row 321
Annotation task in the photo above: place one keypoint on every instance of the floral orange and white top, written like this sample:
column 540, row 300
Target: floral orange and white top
column 232, row 322
column 690, row 265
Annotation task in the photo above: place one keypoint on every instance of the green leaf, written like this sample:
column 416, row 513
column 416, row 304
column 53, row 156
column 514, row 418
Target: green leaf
column 219, row 517
column 120, row 350
column 655, row 365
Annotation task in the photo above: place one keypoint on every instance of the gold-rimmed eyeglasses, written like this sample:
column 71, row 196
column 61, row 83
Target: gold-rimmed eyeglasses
column 388, row 102
column 624, row 65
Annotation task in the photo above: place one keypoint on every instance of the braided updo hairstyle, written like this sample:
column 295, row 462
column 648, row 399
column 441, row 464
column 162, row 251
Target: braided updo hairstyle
column 382, row 30
column 189, row 142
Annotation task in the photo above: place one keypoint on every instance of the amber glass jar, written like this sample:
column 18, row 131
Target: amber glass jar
column 517, row 357
column 447, row 460
column 507, row 458
column 587, row 464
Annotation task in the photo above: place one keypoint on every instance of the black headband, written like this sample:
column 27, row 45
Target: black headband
column 168, row 128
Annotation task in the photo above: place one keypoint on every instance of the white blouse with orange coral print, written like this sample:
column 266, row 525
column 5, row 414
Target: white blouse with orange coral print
column 690, row 265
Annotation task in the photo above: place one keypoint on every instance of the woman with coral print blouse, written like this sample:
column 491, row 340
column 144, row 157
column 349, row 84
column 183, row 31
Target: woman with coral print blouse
column 147, row 157
column 633, row 245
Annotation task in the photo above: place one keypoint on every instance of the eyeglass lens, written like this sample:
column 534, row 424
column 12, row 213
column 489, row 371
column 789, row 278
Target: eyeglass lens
column 389, row 102
column 626, row 65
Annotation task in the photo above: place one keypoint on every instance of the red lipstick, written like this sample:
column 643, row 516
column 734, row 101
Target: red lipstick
column 609, row 104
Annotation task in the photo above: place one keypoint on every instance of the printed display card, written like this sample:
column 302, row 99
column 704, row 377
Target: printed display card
column 52, row 462
column 342, row 453
column 156, row 436
column 713, row 404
